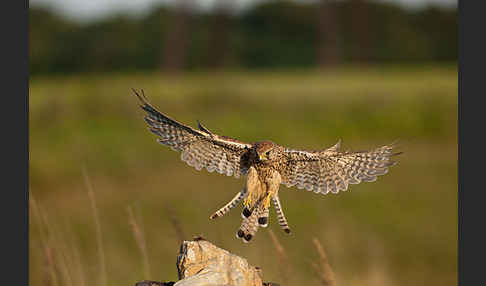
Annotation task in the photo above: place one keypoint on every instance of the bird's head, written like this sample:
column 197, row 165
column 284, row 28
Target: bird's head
column 265, row 150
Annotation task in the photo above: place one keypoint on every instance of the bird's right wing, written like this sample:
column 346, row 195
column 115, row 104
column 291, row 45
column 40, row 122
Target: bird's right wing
column 200, row 148
column 330, row 170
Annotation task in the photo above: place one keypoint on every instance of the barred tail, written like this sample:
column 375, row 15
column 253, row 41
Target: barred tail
column 282, row 221
column 233, row 203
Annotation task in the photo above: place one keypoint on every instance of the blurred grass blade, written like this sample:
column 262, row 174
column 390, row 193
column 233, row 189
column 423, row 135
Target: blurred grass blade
column 176, row 223
column 99, row 238
column 326, row 274
column 285, row 266
column 51, row 275
column 140, row 240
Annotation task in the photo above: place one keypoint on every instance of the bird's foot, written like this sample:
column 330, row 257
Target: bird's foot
column 247, row 209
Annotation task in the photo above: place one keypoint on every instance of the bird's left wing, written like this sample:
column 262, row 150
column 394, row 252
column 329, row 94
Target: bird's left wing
column 331, row 170
column 200, row 148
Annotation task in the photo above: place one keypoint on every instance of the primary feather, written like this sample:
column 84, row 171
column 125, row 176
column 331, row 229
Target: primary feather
column 200, row 148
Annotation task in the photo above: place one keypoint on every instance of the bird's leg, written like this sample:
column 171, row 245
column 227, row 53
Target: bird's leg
column 254, row 187
column 248, row 201
column 266, row 201
column 247, row 206
column 282, row 221
column 249, row 226
column 225, row 209
column 263, row 217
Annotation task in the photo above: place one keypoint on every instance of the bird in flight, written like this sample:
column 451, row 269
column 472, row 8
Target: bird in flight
column 266, row 165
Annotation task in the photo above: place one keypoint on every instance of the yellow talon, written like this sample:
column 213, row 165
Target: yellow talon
column 247, row 201
column 266, row 202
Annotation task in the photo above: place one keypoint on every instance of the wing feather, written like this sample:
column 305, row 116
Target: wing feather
column 199, row 148
column 331, row 170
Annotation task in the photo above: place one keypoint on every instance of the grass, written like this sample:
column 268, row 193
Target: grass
column 399, row 230
column 286, row 271
column 99, row 235
column 324, row 271
column 140, row 240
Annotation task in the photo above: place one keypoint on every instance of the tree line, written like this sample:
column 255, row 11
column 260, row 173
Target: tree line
column 276, row 34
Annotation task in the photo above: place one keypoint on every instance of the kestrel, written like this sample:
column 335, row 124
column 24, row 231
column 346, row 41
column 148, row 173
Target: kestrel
column 266, row 166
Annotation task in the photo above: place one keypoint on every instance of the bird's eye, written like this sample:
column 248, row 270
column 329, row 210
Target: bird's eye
column 267, row 153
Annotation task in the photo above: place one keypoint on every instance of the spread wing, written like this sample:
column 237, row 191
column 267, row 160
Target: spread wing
column 330, row 170
column 200, row 148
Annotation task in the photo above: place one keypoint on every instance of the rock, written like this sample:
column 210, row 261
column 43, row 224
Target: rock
column 200, row 263
column 154, row 283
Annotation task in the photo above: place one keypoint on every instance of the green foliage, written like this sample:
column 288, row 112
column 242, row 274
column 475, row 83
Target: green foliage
column 277, row 34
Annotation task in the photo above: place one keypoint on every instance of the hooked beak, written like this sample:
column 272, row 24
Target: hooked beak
column 260, row 157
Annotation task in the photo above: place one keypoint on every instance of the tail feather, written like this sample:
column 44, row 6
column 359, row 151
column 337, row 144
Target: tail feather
column 282, row 221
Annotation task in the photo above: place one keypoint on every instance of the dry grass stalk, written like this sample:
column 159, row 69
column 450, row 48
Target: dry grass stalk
column 51, row 274
column 64, row 261
column 377, row 273
column 325, row 271
column 99, row 239
column 72, row 247
column 140, row 240
column 285, row 266
column 175, row 223
column 318, row 270
column 54, row 256
column 63, row 256
column 79, row 266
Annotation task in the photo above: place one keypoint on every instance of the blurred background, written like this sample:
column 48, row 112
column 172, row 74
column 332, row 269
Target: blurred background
column 110, row 206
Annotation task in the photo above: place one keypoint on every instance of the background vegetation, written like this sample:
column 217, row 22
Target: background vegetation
column 123, row 222
column 276, row 34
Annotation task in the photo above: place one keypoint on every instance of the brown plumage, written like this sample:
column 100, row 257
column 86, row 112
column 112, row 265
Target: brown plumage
column 266, row 165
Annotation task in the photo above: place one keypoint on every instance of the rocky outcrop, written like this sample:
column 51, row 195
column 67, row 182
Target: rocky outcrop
column 201, row 263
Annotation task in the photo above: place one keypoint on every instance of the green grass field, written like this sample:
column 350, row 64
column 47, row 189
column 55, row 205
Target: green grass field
column 399, row 230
